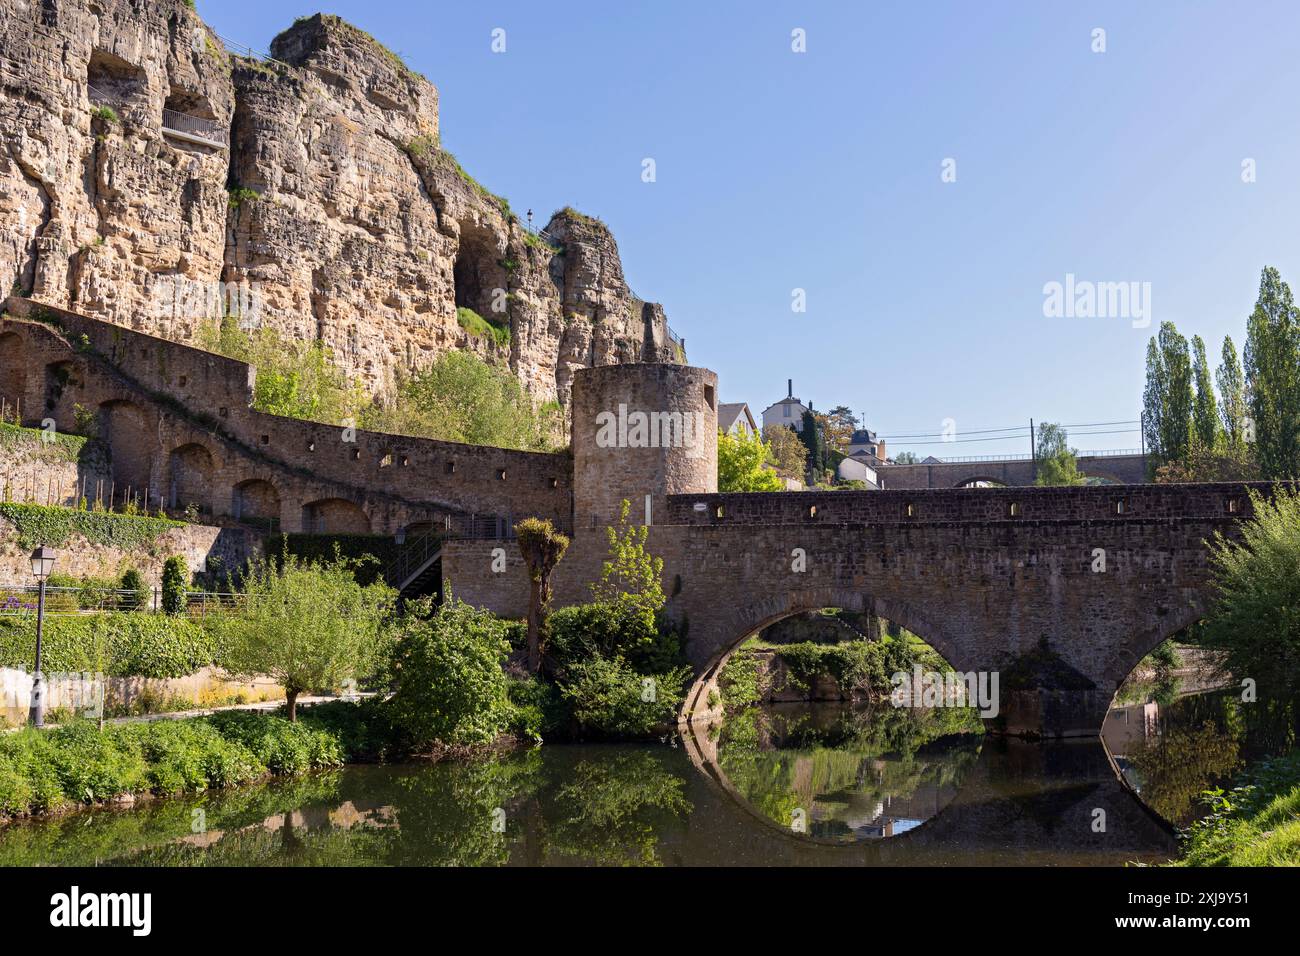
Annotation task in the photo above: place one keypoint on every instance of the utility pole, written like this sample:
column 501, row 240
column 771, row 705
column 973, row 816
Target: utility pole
column 1033, row 449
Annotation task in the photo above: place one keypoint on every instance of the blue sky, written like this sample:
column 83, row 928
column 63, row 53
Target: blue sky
column 822, row 171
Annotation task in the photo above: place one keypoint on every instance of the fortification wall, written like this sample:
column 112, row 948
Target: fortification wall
column 178, row 429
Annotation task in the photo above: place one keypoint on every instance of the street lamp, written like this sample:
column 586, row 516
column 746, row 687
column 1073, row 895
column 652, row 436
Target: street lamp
column 42, row 565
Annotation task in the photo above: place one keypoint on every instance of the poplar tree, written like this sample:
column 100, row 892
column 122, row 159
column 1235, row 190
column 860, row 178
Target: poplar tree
column 1205, row 411
column 1272, row 377
column 1232, row 395
column 1167, row 400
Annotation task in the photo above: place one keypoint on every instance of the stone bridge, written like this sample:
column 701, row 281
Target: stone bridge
column 1060, row 590
column 1011, row 472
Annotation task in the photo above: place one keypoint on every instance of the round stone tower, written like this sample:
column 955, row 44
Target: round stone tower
column 638, row 430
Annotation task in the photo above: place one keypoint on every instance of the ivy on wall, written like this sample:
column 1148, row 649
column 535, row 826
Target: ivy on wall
column 55, row 527
column 131, row 644
column 51, row 446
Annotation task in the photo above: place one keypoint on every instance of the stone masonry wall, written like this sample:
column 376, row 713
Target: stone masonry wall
column 177, row 425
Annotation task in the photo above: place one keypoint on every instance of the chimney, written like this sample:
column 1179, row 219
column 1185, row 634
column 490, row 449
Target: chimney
column 789, row 386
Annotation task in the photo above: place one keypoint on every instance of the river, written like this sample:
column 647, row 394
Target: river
column 792, row 784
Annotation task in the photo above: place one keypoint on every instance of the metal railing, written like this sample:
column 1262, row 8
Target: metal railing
column 415, row 554
column 963, row 459
column 20, row 599
column 205, row 129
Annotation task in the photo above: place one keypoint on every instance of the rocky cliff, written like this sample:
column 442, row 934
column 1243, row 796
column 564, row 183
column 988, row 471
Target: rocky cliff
column 152, row 178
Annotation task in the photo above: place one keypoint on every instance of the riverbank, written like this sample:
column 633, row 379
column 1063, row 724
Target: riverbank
column 48, row 772
column 1255, row 823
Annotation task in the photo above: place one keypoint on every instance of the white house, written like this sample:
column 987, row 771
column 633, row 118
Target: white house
column 735, row 419
column 858, row 467
column 788, row 412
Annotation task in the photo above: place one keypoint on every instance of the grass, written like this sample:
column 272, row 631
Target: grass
column 1256, row 823
column 77, row 764
column 475, row 324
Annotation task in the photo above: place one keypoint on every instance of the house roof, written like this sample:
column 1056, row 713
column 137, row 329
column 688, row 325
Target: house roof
column 730, row 412
column 788, row 400
column 863, row 436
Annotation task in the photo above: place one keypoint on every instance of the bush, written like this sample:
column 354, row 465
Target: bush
column 608, row 698
column 97, row 766
column 138, row 598
column 175, row 582
column 187, row 756
column 539, row 709
column 450, row 687
column 582, row 631
column 284, row 747
column 859, row 667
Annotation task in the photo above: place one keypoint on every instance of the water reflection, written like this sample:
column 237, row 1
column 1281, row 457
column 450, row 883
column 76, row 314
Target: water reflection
column 1170, row 751
column 843, row 775
column 946, row 796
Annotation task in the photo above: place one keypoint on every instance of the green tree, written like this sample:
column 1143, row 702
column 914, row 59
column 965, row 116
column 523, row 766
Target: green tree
column 295, row 379
column 309, row 626
column 1167, row 399
column 1232, row 395
column 542, row 548
column 906, row 458
column 450, row 685
column 1057, row 461
column 462, row 398
column 840, row 424
column 742, row 464
column 1255, row 619
column 1273, row 377
column 1205, row 411
column 630, row 577
column 786, row 453
column 811, row 434
column 137, row 596
column 175, row 582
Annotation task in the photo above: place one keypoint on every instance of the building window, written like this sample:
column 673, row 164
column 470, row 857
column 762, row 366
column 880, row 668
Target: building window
column 785, row 411
column 1121, row 506
column 909, row 510
column 1014, row 509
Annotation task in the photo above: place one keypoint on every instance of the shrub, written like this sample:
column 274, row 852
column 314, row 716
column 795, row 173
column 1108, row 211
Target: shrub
column 284, row 747
column 310, row 626
column 859, row 667
column 581, row 631
column 175, row 582
column 186, row 756
column 138, row 597
column 539, row 709
column 97, row 766
column 450, row 687
column 609, row 699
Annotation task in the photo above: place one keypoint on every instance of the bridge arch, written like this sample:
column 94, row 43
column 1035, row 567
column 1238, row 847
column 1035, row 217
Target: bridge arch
column 746, row 620
column 981, row 481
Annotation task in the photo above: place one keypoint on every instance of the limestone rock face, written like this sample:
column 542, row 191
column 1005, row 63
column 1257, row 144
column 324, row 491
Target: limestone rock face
column 332, row 215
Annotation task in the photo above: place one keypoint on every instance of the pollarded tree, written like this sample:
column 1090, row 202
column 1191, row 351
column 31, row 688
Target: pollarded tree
column 542, row 548
column 309, row 626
